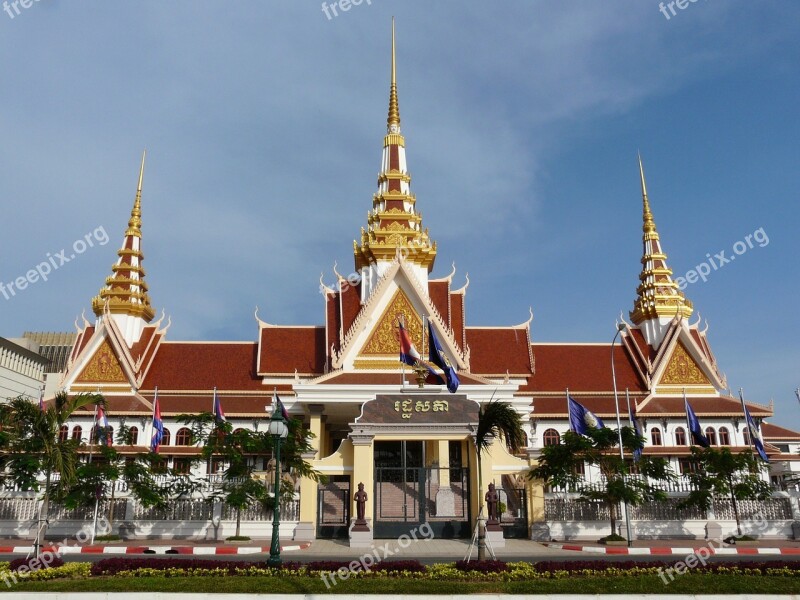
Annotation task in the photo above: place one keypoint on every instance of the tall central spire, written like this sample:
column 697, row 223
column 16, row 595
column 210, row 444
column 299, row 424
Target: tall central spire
column 659, row 297
column 125, row 292
column 393, row 225
column 393, row 122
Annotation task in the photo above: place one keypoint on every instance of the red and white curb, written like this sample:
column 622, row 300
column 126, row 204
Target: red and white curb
column 183, row 550
column 671, row 551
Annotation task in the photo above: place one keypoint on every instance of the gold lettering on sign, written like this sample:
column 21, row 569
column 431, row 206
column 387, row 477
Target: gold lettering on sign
column 103, row 367
column 682, row 369
column 408, row 407
column 384, row 339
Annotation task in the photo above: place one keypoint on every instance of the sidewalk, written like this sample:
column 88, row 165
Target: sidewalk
column 145, row 547
column 681, row 547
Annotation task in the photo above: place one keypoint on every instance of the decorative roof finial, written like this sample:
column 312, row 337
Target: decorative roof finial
column 658, row 294
column 125, row 291
column 393, row 122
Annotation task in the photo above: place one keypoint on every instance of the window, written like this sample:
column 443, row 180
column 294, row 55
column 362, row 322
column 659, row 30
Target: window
column 183, row 437
column 77, row 432
column 133, row 435
column 655, row 437
column 63, row 433
column 686, row 466
column 217, row 465
column 181, row 465
column 551, row 438
column 724, row 437
column 680, row 436
column 165, row 438
column 746, row 434
column 580, row 469
column 711, row 435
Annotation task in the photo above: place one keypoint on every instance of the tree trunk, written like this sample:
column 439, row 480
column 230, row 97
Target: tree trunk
column 735, row 507
column 111, row 508
column 238, row 520
column 612, row 511
column 481, row 519
column 45, row 508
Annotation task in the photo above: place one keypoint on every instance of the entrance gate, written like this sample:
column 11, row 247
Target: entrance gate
column 333, row 507
column 408, row 494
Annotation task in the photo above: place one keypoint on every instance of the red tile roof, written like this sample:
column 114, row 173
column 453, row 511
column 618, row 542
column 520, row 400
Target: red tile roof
column 602, row 406
column 286, row 349
column 439, row 292
column 372, row 378
column 497, row 350
column 232, row 405
column 582, row 368
column 776, row 432
column 203, row 366
column 702, row 406
column 457, row 319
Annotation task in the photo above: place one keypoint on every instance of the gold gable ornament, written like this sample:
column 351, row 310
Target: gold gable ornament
column 103, row 367
column 682, row 369
column 384, row 339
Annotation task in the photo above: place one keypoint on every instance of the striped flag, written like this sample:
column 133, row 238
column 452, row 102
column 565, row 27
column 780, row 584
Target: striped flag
column 158, row 425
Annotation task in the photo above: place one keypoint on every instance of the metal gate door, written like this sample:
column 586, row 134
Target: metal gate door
column 333, row 508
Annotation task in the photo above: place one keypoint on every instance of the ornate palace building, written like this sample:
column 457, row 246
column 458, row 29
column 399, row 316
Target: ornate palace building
column 411, row 447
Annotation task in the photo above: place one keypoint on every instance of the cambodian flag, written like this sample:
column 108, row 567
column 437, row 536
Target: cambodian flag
column 278, row 405
column 219, row 414
column 102, row 427
column 158, row 425
column 408, row 353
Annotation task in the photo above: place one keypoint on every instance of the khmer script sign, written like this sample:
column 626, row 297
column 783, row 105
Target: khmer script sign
column 419, row 409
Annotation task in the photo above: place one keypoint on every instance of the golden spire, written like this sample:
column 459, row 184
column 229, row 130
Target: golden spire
column 658, row 294
column 125, row 291
column 135, row 222
column 393, row 122
column 394, row 225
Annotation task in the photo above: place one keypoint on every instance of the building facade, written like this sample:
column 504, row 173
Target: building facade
column 411, row 447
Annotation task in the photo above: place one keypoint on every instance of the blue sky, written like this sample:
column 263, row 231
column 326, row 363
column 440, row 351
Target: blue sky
column 264, row 120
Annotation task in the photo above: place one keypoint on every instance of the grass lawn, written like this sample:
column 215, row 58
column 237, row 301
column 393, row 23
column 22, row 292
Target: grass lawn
column 649, row 584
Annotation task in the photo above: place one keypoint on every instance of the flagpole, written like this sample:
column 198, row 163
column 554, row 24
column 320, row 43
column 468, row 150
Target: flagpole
column 620, row 329
column 569, row 416
column 797, row 393
column 747, row 423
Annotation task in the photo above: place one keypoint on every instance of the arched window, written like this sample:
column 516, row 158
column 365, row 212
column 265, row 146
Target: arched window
column 165, row 437
column 680, row 436
column 724, row 437
column 77, row 432
column 101, row 434
column 133, row 435
column 63, row 433
column 551, row 438
column 711, row 435
column 655, row 437
column 183, row 437
column 746, row 434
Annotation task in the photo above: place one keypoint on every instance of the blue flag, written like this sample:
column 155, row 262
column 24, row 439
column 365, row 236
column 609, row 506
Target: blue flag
column 581, row 418
column 694, row 427
column 637, row 453
column 438, row 357
column 158, row 426
column 755, row 436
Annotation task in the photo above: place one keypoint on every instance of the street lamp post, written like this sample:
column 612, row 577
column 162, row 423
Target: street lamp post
column 279, row 430
column 620, row 329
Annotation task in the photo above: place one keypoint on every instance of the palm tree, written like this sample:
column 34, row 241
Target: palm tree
column 34, row 446
column 495, row 420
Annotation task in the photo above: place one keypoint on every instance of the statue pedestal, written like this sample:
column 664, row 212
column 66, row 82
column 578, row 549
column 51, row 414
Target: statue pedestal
column 494, row 536
column 445, row 503
column 305, row 532
column 360, row 535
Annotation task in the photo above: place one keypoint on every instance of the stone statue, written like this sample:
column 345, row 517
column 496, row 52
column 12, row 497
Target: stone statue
column 492, row 501
column 361, row 503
